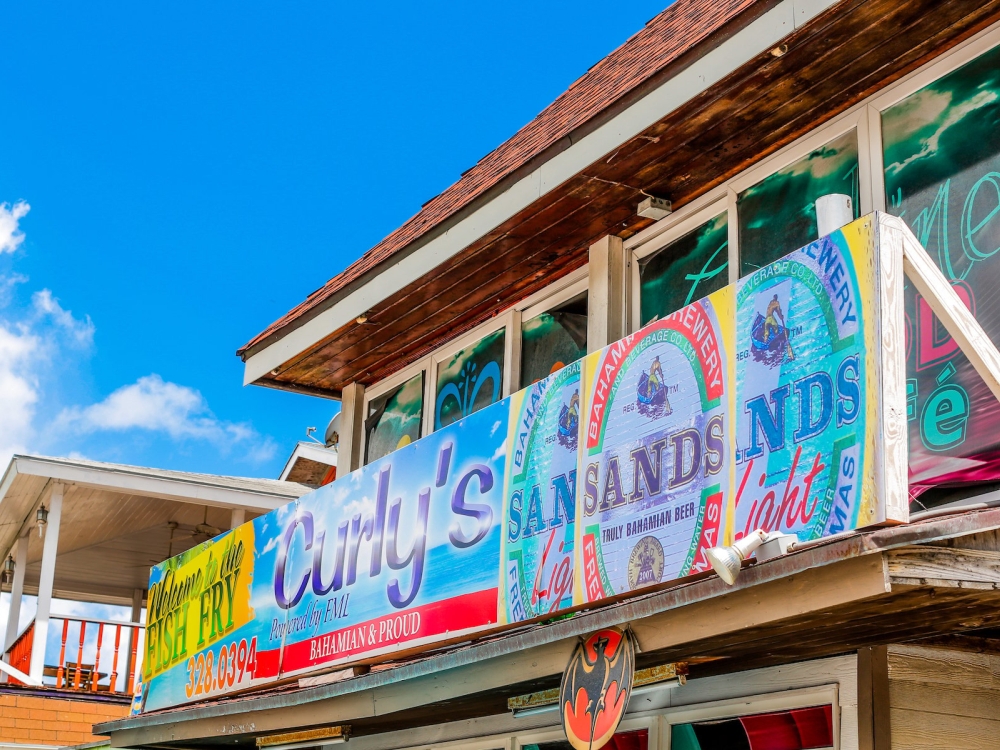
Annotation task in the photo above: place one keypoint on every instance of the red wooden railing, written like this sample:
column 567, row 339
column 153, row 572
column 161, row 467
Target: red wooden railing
column 99, row 658
column 19, row 654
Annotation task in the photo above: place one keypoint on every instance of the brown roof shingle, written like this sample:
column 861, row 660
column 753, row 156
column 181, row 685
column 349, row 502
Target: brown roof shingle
column 664, row 39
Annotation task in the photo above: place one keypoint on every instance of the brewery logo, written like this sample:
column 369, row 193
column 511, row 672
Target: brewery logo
column 769, row 336
column 569, row 422
column 645, row 564
column 595, row 687
column 651, row 393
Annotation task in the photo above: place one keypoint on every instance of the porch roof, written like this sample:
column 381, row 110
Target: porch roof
column 118, row 520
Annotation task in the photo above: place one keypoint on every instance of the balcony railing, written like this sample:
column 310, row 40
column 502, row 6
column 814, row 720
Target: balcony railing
column 95, row 656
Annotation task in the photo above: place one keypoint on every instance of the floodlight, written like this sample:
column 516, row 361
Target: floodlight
column 727, row 561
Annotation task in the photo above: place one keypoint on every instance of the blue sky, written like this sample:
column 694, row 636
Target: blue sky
column 193, row 171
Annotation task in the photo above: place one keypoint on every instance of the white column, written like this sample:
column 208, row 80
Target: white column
column 45, row 580
column 238, row 517
column 16, row 590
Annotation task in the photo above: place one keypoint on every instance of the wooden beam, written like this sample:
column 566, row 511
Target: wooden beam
column 949, row 309
column 944, row 567
column 606, row 293
column 891, row 468
column 352, row 406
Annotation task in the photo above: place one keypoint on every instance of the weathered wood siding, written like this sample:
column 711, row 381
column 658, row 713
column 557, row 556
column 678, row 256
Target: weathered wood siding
column 944, row 698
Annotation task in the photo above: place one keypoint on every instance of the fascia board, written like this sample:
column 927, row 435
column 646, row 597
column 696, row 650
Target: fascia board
column 184, row 491
column 758, row 36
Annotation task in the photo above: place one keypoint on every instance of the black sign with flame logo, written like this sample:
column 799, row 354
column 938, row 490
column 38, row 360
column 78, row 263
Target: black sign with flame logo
column 596, row 686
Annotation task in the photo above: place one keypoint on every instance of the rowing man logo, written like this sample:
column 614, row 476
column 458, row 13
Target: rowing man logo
column 596, row 686
column 769, row 336
column 651, row 393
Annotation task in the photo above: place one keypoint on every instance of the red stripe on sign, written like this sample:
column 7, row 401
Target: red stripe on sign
column 415, row 625
column 267, row 663
column 591, row 575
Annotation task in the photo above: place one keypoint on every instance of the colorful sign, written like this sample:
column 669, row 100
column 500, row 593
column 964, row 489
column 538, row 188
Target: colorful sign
column 540, row 497
column 753, row 408
column 596, row 686
column 655, row 464
column 397, row 555
column 806, row 389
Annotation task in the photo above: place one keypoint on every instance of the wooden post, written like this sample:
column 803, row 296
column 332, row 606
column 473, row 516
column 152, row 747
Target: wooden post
column 891, row 477
column 606, row 293
column 237, row 518
column 16, row 593
column 352, row 406
column 47, row 576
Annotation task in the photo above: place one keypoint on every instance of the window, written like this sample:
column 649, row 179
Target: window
column 686, row 270
column 941, row 156
column 778, row 214
column 394, row 419
column 795, row 729
column 470, row 379
column 553, row 339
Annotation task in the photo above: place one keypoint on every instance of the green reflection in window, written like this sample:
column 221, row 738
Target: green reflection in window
column 552, row 340
column 778, row 214
column 394, row 419
column 469, row 380
column 941, row 151
column 686, row 270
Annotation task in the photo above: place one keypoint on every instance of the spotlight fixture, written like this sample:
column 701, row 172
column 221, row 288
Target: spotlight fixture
column 655, row 208
column 728, row 561
column 780, row 51
column 307, row 738
column 42, row 516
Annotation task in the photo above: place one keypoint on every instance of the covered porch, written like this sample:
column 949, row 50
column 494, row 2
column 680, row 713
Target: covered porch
column 78, row 534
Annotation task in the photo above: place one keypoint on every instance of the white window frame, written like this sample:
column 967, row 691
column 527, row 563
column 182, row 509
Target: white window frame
column 733, row 708
column 555, row 294
column 649, row 242
column 384, row 386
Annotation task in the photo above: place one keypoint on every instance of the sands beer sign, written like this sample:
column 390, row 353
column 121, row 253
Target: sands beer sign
column 754, row 408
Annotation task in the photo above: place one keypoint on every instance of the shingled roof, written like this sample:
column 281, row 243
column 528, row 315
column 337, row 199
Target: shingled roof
column 666, row 37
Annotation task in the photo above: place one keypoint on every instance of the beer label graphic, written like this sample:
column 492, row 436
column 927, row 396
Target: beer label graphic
column 540, row 498
column 804, row 372
column 655, row 466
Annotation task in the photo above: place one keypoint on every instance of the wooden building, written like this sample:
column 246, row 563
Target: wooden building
column 687, row 159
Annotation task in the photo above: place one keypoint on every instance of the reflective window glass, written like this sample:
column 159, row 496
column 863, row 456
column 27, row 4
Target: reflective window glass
column 778, row 214
column 469, row 380
column 798, row 729
column 941, row 154
column 686, row 270
column 552, row 340
column 394, row 419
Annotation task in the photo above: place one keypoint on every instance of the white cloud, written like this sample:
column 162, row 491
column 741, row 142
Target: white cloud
column 18, row 391
column 11, row 236
column 80, row 331
column 43, row 344
column 155, row 405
